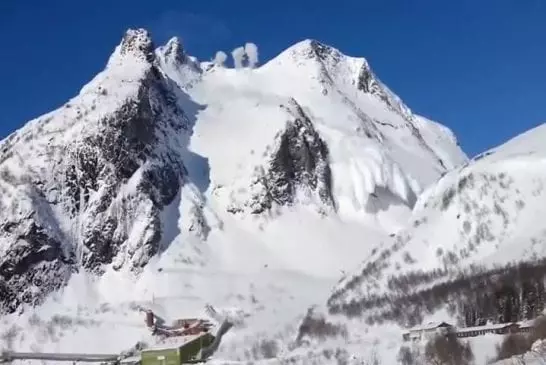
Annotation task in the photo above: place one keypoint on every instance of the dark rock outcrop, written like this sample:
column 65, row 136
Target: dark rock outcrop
column 175, row 53
column 323, row 52
column 34, row 265
column 131, row 142
column 368, row 82
column 138, row 43
column 299, row 163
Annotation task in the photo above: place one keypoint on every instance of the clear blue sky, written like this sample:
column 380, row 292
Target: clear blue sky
column 478, row 66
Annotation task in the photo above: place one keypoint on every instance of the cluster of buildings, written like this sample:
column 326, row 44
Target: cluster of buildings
column 180, row 327
column 434, row 328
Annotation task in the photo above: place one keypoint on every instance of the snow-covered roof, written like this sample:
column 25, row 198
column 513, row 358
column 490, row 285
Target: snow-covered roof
column 528, row 323
column 174, row 342
column 130, row 360
column 487, row 327
column 430, row 326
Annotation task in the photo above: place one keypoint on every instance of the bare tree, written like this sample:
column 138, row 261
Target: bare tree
column 513, row 345
column 448, row 350
column 408, row 356
column 539, row 329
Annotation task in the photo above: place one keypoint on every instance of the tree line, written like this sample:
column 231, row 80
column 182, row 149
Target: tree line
column 504, row 294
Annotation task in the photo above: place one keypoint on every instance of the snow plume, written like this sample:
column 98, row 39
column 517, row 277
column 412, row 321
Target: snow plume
column 238, row 56
column 220, row 58
column 252, row 54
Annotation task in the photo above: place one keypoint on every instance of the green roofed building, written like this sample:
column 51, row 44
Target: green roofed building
column 188, row 351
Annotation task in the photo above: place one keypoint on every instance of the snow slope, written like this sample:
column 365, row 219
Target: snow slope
column 168, row 184
column 375, row 151
column 484, row 212
column 457, row 260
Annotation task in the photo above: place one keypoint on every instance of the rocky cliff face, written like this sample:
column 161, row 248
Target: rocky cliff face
column 132, row 146
column 99, row 201
column 298, row 167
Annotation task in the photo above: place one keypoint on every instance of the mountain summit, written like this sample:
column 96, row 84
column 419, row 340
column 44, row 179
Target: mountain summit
column 168, row 178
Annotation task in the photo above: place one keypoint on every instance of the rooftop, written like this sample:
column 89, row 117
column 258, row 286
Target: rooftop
column 174, row 342
column 430, row 325
column 485, row 327
column 130, row 360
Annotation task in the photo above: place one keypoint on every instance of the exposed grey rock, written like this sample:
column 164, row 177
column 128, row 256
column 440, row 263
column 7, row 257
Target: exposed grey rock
column 174, row 52
column 138, row 42
column 33, row 266
column 299, row 163
column 198, row 223
column 323, row 52
column 131, row 140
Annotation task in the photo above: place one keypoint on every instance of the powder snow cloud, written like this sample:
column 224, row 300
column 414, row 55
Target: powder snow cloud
column 252, row 54
column 220, row 58
column 238, row 55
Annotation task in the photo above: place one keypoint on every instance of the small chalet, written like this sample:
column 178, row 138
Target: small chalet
column 427, row 330
column 498, row 329
column 417, row 333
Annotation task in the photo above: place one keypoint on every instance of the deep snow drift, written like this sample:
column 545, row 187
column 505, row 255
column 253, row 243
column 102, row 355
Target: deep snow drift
column 169, row 183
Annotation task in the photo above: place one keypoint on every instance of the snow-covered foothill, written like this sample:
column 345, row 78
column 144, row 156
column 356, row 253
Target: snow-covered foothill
column 474, row 238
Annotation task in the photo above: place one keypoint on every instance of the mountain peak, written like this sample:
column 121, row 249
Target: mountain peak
column 174, row 49
column 136, row 43
column 181, row 67
column 311, row 48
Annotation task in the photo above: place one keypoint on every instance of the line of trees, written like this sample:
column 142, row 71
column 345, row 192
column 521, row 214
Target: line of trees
column 506, row 294
column 507, row 302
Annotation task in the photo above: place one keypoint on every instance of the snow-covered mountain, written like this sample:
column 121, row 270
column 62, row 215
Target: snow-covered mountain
column 169, row 183
column 474, row 251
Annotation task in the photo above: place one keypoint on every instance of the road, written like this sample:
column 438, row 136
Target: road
column 9, row 356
